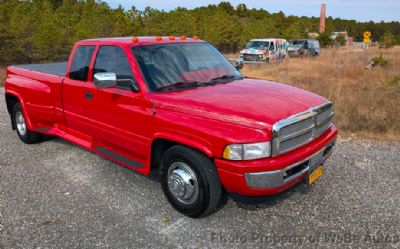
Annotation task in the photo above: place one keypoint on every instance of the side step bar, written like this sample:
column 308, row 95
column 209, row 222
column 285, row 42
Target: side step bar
column 119, row 157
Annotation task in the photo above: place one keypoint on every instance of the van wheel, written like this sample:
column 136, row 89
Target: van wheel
column 190, row 182
column 18, row 119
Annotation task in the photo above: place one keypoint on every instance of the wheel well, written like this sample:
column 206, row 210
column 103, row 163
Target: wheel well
column 11, row 100
column 158, row 148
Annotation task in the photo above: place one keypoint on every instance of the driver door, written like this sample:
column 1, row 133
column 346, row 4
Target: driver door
column 119, row 115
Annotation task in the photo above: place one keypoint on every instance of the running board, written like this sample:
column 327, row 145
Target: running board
column 118, row 157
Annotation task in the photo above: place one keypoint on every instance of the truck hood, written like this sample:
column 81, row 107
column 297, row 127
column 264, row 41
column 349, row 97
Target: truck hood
column 248, row 102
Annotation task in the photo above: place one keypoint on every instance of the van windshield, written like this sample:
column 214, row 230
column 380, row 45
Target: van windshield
column 297, row 43
column 183, row 65
column 258, row 45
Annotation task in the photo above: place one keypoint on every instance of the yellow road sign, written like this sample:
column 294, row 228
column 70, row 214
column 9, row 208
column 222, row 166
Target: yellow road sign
column 367, row 36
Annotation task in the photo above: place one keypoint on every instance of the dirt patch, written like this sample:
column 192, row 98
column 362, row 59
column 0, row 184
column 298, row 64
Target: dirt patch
column 366, row 101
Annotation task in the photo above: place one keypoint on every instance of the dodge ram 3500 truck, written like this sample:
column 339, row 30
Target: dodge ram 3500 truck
column 176, row 106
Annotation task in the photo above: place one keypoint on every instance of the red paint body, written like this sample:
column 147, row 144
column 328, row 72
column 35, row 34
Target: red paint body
column 127, row 123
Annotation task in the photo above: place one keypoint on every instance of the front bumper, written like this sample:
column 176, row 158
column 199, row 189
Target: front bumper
column 253, row 58
column 278, row 178
column 272, row 175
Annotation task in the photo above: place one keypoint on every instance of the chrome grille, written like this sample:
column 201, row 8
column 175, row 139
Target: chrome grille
column 297, row 130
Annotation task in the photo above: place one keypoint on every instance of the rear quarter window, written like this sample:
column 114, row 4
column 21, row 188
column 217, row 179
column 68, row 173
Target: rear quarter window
column 80, row 63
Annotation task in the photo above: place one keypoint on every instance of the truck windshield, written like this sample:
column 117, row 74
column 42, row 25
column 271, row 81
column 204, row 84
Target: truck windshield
column 258, row 45
column 182, row 65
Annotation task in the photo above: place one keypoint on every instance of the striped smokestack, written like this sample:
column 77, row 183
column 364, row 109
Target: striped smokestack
column 322, row 18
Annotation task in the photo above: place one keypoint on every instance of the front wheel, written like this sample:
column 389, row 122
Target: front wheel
column 18, row 119
column 190, row 182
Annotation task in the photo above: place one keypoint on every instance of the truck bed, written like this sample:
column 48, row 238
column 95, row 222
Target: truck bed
column 58, row 68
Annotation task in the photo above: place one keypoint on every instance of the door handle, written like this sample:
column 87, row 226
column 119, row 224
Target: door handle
column 89, row 96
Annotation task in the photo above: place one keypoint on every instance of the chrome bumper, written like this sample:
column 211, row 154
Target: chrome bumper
column 277, row 178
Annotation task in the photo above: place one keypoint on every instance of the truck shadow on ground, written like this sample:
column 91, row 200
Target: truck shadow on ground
column 267, row 202
column 254, row 204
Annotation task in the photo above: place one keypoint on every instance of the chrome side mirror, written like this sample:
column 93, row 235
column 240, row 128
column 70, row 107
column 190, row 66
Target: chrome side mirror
column 238, row 64
column 105, row 80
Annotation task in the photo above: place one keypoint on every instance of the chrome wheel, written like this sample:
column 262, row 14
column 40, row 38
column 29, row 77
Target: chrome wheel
column 20, row 122
column 183, row 183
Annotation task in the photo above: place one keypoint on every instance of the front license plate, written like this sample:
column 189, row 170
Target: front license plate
column 315, row 174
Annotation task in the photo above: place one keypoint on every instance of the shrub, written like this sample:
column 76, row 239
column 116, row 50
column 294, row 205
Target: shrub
column 380, row 61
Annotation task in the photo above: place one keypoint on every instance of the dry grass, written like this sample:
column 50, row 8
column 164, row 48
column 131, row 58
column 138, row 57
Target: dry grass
column 2, row 76
column 367, row 102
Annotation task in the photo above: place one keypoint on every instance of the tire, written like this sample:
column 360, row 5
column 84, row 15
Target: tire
column 18, row 119
column 190, row 182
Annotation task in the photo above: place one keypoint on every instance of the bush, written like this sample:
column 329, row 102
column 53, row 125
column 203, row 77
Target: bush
column 380, row 61
column 388, row 40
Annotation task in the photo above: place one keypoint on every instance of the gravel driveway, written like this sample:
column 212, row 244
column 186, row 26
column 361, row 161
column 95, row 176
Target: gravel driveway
column 56, row 195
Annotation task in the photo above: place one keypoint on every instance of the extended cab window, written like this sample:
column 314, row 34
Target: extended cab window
column 112, row 59
column 80, row 63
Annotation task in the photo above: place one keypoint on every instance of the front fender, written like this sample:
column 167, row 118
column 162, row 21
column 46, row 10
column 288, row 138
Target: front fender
column 193, row 142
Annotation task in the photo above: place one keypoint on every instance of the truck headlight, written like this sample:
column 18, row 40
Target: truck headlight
column 247, row 151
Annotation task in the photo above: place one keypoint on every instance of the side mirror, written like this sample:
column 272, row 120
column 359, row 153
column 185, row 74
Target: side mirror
column 238, row 64
column 105, row 80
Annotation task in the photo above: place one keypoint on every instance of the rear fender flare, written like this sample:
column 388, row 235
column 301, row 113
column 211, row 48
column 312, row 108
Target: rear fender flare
column 22, row 103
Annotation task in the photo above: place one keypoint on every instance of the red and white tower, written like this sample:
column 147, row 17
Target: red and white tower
column 322, row 18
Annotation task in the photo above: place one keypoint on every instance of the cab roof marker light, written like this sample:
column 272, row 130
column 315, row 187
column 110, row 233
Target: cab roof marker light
column 183, row 37
column 135, row 39
column 158, row 38
column 171, row 38
column 196, row 37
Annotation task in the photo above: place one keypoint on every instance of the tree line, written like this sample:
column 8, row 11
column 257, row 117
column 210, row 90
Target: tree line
column 43, row 30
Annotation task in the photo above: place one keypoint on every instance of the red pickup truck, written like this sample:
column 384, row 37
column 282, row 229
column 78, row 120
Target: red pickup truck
column 177, row 108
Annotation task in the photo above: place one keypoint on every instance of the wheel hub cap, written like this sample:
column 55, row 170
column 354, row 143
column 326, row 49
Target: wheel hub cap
column 182, row 183
column 20, row 121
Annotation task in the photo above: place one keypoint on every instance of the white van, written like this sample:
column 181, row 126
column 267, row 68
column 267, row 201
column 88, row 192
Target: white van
column 264, row 50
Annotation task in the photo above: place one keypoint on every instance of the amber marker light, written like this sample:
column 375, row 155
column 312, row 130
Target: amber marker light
column 183, row 37
column 196, row 37
column 135, row 39
column 158, row 38
column 171, row 38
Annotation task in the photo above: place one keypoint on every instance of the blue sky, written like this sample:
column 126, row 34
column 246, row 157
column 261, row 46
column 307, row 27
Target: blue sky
column 361, row 10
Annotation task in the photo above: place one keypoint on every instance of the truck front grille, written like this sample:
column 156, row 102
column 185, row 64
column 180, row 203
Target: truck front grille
column 302, row 128
column 252, row 57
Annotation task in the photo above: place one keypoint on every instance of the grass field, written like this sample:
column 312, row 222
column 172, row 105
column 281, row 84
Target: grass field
column 367, row 102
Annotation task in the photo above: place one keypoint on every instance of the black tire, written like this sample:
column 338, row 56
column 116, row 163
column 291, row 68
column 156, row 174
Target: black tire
column 210, row 191
column 29, row 137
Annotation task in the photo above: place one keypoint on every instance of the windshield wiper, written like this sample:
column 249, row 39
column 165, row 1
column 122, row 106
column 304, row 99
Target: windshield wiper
column 225, row 77
column 184, row 83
